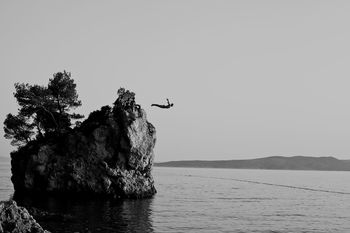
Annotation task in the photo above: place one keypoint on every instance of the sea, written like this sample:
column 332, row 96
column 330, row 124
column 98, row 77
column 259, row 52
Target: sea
column 209, row 200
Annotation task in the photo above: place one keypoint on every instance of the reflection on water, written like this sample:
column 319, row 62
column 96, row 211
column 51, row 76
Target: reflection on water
column 88, row 215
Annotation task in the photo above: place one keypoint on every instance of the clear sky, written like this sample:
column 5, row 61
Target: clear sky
column 248, row 78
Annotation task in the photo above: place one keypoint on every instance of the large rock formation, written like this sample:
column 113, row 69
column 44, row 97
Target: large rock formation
column 110, row 153
column 17, row 219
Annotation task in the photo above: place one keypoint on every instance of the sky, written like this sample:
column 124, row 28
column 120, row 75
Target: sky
column 247, row 78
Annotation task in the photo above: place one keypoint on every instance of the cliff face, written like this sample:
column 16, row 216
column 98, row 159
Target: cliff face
column 17, row 219
column 110, row 153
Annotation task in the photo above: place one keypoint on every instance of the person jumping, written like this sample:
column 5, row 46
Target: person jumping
column 169, row 105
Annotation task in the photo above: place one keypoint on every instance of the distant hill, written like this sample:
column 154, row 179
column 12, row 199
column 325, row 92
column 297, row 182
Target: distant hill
column 275, row 162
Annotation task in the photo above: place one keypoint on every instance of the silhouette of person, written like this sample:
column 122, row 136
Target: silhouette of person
column 169, row 105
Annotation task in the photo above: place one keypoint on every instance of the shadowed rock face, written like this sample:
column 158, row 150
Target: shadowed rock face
column 17, row 219
column 110, row 154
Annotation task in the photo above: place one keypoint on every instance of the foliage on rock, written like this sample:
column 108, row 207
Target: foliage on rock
column 126, row 99
column 17, row 129
column 42, row 109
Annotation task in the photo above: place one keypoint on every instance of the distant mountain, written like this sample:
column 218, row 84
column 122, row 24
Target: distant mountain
column 274, row 162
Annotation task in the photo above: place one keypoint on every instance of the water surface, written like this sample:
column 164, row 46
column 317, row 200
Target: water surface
column 210, row 200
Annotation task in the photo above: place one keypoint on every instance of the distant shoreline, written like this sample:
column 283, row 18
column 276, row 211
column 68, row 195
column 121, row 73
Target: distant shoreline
column 303, row 163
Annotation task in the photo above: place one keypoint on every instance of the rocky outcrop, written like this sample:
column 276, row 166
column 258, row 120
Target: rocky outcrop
column 17, row 219
column 109, row 154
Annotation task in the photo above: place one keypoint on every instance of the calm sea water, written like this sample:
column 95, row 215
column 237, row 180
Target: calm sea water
column 211, row 200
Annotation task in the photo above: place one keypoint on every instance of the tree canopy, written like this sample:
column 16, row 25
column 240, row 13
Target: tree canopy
column 43, row 109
